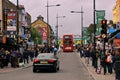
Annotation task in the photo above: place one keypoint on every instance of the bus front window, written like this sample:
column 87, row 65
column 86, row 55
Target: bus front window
column 68, row 42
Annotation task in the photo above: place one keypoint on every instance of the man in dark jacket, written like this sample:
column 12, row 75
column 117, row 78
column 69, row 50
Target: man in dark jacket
column 117, row 64
column 25, row 56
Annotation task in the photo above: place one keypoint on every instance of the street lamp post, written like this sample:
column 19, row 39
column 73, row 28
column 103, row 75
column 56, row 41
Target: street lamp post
column 57, row 27
column 48, row 10
column 94, row 11
column 81, row 21
column 94, row 26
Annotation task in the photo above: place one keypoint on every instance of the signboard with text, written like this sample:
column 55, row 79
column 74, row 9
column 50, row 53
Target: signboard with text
column 100, row 14
column 11, row 21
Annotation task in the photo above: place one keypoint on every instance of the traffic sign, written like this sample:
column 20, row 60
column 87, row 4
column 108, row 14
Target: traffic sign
column 100, row 13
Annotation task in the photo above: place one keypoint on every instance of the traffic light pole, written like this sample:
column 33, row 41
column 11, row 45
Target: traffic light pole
column 104, row 47
column 94, row 27
column 104, row 33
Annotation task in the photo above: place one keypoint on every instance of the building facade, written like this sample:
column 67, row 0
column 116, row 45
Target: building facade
column 43, row 29
column 116, row 12
column 14, row 22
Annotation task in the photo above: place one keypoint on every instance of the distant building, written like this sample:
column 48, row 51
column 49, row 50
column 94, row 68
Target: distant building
column 11, row 25
column 116, row 12
column 43, row 29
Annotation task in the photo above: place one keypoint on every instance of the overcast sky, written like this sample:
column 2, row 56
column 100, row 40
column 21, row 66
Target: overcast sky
column 71, row 23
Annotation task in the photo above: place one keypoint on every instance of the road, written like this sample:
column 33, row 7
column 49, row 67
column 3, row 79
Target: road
column 71, row 68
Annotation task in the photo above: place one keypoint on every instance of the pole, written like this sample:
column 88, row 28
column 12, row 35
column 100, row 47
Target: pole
column 57, row 31
column 95, row 65
column 47, row 19
column 82, row 25
column 47, row 13
column 94, row 27
column 17, row 10
column 104, row 47
column 57, row 28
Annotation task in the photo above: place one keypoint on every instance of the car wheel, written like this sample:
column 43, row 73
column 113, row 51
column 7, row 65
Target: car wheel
column 58, row 68
column 55, row 69
column 34, row 70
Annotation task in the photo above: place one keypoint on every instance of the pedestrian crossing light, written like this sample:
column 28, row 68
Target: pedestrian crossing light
column 104, row 22
column 104, row 28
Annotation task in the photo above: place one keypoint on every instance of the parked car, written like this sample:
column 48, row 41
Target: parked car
column 46, row 61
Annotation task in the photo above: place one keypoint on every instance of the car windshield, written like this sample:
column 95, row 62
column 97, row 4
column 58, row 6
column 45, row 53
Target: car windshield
column 45, row 56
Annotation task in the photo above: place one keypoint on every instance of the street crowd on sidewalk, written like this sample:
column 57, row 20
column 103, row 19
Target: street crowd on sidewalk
column 18, row 57
column 14, row 57
column 108, row 62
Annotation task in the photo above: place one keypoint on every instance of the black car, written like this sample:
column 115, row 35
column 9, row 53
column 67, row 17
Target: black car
column 46, row 61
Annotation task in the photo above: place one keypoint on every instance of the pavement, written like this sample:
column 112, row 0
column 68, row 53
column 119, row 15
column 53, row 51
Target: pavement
column 10, row 69
column 93, row 73
column 89, row 67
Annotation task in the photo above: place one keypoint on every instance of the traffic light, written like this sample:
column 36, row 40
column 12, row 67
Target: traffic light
column 104, row 28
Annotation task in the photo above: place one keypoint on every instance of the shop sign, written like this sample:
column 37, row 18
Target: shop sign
column 11, row 21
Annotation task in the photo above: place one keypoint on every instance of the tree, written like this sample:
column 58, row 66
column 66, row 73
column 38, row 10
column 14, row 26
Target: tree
column 90, row 30
column 35, row 36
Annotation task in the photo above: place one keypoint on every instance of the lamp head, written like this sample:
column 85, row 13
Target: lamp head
column 58, row 5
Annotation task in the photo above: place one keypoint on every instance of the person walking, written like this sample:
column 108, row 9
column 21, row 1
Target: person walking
column 13, row 58
column 7, row 58
column 92, row 55
column 109, row 61
column 87, row 56
column 25, row 56
column 2, row 58
column 117, row 64
column 55, row 50
column 81, row 52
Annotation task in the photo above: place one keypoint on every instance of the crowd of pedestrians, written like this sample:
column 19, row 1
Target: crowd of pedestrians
column 108, row 61
column 15, row 57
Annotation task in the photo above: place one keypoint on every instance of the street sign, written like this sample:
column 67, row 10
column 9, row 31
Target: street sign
column 99, row 19
column 100, row 13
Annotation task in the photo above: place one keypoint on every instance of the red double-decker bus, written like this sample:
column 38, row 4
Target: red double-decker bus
column 68, row 42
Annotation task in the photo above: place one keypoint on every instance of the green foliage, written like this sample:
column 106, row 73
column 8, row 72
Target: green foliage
column 90, row 30
column 35, row 36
